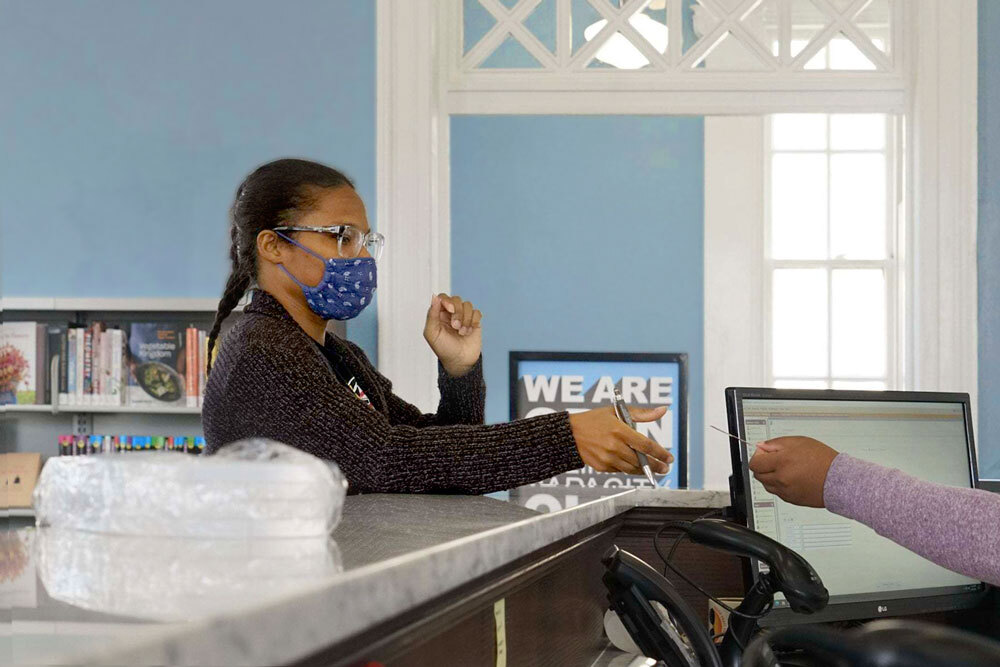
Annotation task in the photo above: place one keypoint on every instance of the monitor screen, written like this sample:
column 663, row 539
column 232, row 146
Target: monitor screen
column 929, row 439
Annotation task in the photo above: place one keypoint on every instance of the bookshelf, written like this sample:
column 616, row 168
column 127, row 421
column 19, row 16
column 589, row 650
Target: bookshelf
column 124, row 305
column 35, row 428
column 106, row 409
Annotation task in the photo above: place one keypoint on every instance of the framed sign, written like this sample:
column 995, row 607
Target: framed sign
column 546, row 382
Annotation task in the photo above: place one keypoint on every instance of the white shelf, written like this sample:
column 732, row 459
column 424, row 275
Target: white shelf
column 17, row 512
column 111, row 409
column 111, row 304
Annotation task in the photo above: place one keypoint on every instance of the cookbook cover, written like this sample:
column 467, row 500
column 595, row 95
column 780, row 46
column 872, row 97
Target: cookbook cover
column 156, row 364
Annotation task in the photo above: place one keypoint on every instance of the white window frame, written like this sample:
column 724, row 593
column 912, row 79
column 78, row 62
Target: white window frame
column 936, row 60
column 895, row 370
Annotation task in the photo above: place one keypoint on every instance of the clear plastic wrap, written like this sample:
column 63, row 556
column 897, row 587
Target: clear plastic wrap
column 173, row 579
column 249, row 489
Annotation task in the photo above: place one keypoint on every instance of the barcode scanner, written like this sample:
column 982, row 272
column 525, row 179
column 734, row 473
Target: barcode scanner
column 789, row 572
column 681, row 639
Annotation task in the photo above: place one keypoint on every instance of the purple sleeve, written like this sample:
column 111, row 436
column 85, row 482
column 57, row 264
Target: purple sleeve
column 956, row 528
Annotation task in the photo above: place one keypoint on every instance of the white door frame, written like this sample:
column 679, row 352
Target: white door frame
column 415, row 98
column 412, row 185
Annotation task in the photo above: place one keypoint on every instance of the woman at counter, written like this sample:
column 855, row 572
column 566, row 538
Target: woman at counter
column 300, row 239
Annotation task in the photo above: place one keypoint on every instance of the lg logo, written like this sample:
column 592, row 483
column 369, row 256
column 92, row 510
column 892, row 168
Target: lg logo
column 882, row 609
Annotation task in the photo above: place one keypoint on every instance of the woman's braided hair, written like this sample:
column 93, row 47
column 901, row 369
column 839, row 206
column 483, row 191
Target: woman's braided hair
column 267, row 198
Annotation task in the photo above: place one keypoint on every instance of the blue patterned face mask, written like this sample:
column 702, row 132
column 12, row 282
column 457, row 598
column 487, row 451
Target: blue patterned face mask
column 344, row 291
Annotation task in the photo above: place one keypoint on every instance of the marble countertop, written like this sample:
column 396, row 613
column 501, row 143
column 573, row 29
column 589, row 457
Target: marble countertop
column 89, row 599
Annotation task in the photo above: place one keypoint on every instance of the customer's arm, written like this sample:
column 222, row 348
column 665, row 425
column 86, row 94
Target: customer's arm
column 954, row 527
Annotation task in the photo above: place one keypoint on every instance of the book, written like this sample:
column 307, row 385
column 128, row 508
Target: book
column 80, row 355
column 88, row 365
column 53, row 345
column 156, row 364
column 96, row 368
column 202, row 359
column 18, row 356
column 116, row 347
column 103, row 368
column 64, row 365
column 191, row 364
column 41, row 367
column 71, row 366
column 91, row 370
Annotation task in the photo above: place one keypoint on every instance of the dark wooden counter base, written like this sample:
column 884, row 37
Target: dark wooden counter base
column 555, row 603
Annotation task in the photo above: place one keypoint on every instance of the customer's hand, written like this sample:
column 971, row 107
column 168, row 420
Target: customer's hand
column 793, row 468
column 454, row 332
column 606, row 444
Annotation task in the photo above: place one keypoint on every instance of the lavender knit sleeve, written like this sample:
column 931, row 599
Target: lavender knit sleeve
column 954, row 527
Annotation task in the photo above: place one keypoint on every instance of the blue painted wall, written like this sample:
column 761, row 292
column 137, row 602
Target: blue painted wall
column 581, row 233
column 125, row 128
column 989, row 238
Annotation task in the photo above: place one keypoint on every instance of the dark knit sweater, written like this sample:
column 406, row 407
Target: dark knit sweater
column 271, row 380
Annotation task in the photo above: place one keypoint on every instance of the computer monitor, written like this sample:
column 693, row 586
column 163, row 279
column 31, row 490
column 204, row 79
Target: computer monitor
column 927, row 435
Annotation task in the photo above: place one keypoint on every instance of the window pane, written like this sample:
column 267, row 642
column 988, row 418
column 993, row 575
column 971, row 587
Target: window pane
column 798, row 131
column 857, row 131
column 857, row 206
column 818, row 61
column 799, row 323
column 800, row 384
column 798, row 206
column 859, row 328
column 844, row 54
column 874, row 385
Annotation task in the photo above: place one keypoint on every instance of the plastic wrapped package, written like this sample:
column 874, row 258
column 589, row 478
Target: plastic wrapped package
column 249, row 489
column 170, row 578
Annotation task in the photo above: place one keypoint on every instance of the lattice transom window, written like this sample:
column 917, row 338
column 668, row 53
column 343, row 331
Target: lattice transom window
column 678, row 35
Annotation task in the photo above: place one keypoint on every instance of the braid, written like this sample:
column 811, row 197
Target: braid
column 236, row 287
column 236, row 284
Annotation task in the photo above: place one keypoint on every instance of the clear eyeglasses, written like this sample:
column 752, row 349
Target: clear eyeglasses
column 350, row 240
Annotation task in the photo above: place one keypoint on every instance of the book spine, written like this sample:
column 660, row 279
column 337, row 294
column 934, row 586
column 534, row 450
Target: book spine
column 95, row 368
column 115, row 353
column 64, row 365
column 88, row 366
column 202, row 357
column 78, row 384
column 190, row 370
column 123, row 354
column 54, row 346
column 41, row 365
column 100, row 365
column 71, row 367
column 106, row 367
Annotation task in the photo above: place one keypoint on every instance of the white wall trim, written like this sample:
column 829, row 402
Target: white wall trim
column 674, row 102
column 943, row 137
column 412, row 192
column 734, row 274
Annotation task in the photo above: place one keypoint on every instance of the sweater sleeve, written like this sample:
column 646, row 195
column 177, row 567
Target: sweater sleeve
column 953, row 527
column 463, row 398
column 379, row 456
